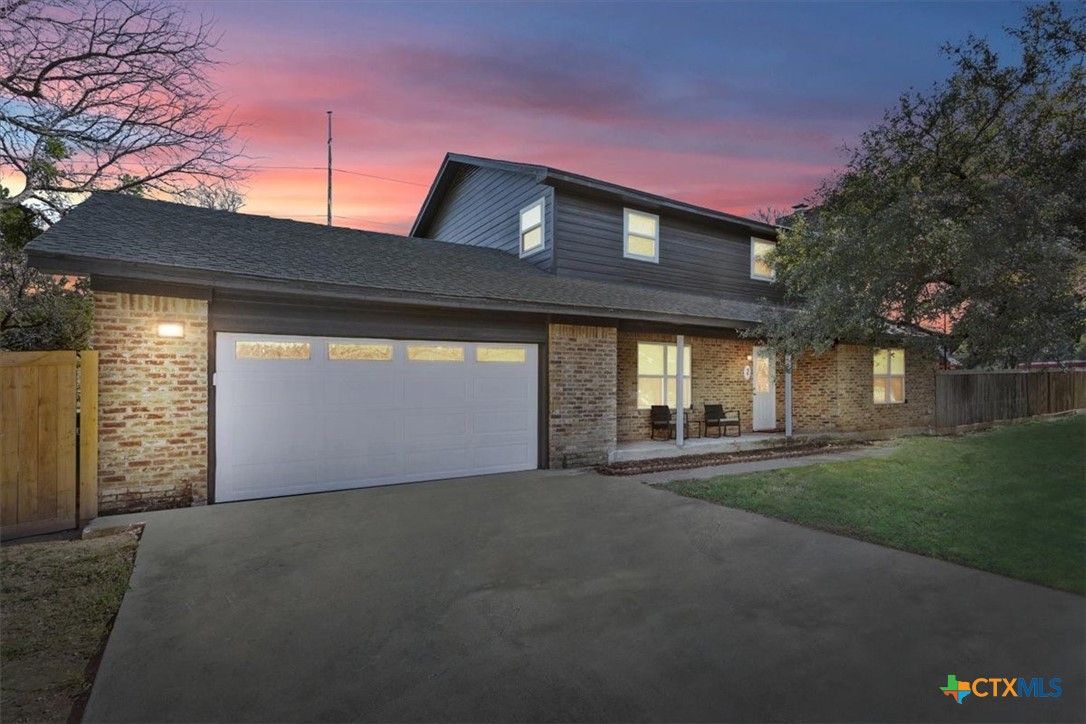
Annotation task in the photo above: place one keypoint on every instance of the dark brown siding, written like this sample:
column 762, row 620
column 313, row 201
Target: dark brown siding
column 482, row 208
column 708, row 258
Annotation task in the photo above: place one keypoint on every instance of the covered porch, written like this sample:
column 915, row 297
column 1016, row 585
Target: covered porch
column 688, row 373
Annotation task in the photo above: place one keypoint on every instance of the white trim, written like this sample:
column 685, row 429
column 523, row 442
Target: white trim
column 759, row 277
column 626, row 253
column 667, row 374
column 680, row 412
column 542, row 204
column 889, row 375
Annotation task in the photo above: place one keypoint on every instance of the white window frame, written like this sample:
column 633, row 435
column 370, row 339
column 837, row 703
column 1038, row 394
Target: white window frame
column 626, row 253
column 754, row 241
column 542, row 226
column 888, row 375
column 688, row 379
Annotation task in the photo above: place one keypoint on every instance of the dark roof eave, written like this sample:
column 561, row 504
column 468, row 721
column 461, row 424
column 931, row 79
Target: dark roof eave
column 141, row 272
column 625, row 193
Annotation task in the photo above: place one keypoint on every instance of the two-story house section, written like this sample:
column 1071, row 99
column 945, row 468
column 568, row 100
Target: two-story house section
column 596, row 230
column 533, row 318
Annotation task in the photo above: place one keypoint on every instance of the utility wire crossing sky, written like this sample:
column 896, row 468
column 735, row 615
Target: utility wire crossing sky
column 733, row 106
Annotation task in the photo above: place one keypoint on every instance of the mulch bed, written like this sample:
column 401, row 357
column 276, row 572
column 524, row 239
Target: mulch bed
column 687, row 462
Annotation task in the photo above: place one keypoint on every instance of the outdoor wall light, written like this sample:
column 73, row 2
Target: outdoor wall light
column 171, row 329
column 750, row 358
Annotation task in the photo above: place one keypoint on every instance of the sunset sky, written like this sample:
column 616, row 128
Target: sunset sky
column 731, row 106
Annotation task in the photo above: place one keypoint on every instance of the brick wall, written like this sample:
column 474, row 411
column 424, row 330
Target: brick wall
column 830, row 392
column 814, row 392
column 582, row 394
column 856, row 407
column 716, row 371
column 152, row 402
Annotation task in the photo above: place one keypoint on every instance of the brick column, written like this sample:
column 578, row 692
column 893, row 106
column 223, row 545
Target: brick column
column 582, row 380
column 152, row 440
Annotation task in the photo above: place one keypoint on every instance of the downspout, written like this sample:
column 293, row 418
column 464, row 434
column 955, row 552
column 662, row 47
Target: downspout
column 680, row 403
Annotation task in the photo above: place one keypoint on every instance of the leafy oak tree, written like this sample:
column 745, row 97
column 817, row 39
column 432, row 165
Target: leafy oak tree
column 959, row 221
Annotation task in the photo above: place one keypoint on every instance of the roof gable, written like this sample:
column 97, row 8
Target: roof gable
column 578, row 182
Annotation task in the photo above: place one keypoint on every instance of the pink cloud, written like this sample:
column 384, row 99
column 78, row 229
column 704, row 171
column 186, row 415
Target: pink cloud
column 399, row 109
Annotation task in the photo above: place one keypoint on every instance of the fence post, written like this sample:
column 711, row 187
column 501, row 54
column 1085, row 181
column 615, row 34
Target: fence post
column 88, row 436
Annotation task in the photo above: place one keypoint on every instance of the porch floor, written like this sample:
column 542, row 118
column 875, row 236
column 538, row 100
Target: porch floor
column 649, row 449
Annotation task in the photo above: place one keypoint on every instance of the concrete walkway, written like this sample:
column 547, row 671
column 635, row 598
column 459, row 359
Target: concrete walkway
column 758, row 466
column 561, row 597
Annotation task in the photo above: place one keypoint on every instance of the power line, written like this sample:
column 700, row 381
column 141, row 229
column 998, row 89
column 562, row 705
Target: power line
column 337, row 216
column 343, row 170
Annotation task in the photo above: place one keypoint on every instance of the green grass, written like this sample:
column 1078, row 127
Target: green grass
column 1011, row 501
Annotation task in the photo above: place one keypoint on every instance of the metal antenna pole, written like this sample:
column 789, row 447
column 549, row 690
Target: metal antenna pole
column 329, row 168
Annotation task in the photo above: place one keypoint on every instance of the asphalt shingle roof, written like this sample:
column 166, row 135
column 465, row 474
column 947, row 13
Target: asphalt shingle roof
column 197, row 245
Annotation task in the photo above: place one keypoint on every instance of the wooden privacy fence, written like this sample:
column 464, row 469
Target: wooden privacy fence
column 48, row 441
column 968, row 397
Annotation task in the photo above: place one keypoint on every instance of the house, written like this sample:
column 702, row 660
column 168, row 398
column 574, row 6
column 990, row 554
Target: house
column 530, row 320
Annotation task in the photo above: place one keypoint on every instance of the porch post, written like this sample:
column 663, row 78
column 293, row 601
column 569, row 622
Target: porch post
column 788, row 395
column 680, row 403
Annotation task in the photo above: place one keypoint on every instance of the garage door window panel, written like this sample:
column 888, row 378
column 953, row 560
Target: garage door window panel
column 507, row 355
column 360, row 352
column 249, row 349
column 434, row 353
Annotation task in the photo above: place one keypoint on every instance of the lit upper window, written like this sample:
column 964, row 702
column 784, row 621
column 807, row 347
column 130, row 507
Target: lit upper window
column 531, row 228
column 641, row 234
column 760, row 268
column 889, row 376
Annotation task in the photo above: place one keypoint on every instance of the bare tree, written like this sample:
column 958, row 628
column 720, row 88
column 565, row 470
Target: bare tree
column 111, row 95
column 222, row 196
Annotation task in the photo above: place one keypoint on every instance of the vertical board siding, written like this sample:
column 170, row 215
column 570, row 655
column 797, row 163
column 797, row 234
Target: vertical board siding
column 482, row 208
column 968, row 397
column 9, row 448
column 699, row 258
column 38, row 405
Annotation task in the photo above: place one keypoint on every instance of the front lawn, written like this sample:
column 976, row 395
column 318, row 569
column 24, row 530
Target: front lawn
column 57, row 603
column 1012, row 500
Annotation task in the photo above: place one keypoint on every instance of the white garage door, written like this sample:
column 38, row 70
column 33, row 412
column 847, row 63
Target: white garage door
column 308, row 414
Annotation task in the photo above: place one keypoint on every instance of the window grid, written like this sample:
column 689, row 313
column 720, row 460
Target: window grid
column 888, row 373
column 532, row 238
column 661, row 388
column 641, row 235
column 759, row 267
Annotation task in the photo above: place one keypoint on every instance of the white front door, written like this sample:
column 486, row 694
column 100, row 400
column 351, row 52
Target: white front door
column 765, row 388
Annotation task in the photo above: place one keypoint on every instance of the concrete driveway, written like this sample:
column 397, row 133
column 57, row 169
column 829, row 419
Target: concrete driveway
column 557, row 596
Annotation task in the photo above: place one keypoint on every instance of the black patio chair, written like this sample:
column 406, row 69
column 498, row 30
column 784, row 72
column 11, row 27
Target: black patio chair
column 715, row 416
column 660, row 418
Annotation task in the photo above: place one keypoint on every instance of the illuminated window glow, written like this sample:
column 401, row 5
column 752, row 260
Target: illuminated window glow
column 888, row 369
column 434, row 353
column 641, row 235
column 760, row 268
column 658, row 373
column 271, row 350
column 531, row 228
column 360, row 352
